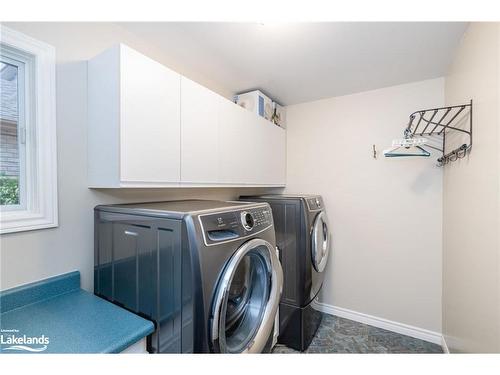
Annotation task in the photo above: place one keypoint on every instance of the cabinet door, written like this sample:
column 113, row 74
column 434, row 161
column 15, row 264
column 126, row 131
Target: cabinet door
column 236, row 144
column 271, row 152
column 150, row 120
column 278, row 164
column 199, row 133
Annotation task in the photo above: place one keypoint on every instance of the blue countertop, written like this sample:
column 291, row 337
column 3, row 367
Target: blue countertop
column 56, row 316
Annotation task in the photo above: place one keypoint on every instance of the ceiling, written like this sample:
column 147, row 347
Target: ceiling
column 300, row 62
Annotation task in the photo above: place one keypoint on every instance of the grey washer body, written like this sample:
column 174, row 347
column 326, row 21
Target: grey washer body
column 295, row 217
column 157, row 260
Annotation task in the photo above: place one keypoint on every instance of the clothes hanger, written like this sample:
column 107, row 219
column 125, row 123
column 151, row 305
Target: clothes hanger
column 407, row 147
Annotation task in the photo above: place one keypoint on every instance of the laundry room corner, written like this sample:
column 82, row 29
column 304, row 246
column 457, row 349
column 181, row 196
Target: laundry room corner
column 386, row 215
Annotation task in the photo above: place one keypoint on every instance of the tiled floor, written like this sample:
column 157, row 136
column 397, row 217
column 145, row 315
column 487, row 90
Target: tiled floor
column 338, row 335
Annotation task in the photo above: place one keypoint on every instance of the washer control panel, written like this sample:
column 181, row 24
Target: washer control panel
column 231, row 225
column 263, row 217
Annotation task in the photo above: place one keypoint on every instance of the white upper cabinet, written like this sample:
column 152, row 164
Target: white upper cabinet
column 134, row 120
column 252, row 150
column 150, row 127
column 270, row 155
column 236, row 140
column 150, row 120
column 199, row 133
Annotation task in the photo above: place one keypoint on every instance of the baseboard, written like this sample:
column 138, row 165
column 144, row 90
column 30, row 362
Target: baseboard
column 404, row 329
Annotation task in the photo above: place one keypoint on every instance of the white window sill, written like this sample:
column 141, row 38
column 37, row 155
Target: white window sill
column 19, row 221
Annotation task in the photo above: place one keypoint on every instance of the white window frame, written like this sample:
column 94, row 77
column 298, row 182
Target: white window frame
column 40, row 197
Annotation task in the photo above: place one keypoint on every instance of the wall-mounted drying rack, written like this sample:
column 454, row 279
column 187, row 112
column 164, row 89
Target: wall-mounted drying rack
column 437, row 121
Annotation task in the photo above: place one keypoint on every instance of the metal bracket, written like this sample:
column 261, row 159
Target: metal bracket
column 448, row 119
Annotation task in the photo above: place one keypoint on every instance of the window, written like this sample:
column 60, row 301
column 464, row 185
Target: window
column 28, row 188
column 12, row 133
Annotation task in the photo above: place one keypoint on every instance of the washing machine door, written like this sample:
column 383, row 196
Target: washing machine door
column 320, row 242
column 247, row 299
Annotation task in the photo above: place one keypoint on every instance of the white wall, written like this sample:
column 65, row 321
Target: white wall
column 35, row 255
column 471, row 257
column 385, row 214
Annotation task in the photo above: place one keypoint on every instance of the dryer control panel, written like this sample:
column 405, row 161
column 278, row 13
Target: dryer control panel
column 231, row 225
column 315, row 203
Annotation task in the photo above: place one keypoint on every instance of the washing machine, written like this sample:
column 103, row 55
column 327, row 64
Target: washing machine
column 303, row 240
column 206, row 273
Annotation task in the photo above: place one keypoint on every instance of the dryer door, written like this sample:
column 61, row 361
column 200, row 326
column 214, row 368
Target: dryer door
column 320, row 242
column 247, row 299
